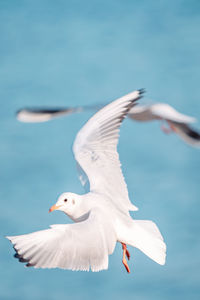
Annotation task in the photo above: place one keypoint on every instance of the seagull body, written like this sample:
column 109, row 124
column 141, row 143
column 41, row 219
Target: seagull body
column 101, row 216
column 178, row 123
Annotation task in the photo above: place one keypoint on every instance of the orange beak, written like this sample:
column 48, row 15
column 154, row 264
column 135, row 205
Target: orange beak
column 54, row 207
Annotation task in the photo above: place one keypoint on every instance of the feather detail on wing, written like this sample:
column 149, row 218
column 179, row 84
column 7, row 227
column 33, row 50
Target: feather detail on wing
column 95, row 149
column 78, row 246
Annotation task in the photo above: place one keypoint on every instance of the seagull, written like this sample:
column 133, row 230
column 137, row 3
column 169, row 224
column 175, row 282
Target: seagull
column 178, row 123
column 102, row 215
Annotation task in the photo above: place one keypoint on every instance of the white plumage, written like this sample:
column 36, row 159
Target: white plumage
column 77, row 246
column 95, row 151
column 102, row 215
column 178, row 123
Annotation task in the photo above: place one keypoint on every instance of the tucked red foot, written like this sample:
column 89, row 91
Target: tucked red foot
column 172, row 127
column 166, row 129
column 125, row 253
column 169, row 129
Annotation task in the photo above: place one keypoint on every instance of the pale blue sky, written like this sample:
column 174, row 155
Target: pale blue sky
column 72, row 53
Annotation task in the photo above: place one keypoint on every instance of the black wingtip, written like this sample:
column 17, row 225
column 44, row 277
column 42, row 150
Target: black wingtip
column 142, row 91
column 20, row 258
column 194, row 134
column 29, row 265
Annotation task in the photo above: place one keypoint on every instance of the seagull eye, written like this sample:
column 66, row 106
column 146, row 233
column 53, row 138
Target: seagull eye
column 65, row 200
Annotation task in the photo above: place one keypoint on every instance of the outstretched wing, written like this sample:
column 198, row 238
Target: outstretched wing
column 167, row 112
column 158, row 111
column 95, row 149
column 78, row 246
column 37, row 115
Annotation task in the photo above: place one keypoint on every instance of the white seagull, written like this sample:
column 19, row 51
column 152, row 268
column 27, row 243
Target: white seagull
column 178, row 123
column 102, row 215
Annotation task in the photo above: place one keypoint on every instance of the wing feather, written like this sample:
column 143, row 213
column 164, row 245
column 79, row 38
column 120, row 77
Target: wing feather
column 95, row 149
column 78, row 246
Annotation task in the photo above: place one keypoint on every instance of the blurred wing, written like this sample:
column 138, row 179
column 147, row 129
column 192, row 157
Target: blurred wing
column 158, row 111
column 38, row 115
column 78, row 246
column 188, row 134
column 167, row 112
column 95, row 149
column 42, row 115
column 141, row 113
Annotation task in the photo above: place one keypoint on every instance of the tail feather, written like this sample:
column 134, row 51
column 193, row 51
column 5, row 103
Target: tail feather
column 146, row 236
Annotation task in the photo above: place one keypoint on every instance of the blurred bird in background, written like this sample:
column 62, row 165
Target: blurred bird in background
column 177, row 122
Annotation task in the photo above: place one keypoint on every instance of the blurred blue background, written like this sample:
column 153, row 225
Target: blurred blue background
column 77, row 52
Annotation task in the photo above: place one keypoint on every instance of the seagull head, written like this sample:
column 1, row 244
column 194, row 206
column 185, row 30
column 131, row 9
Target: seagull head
column 67, row 202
